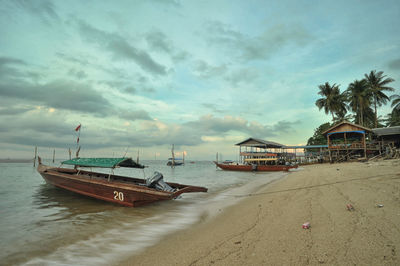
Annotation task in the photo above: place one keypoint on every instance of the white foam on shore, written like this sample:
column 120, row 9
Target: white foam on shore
column 114, row 245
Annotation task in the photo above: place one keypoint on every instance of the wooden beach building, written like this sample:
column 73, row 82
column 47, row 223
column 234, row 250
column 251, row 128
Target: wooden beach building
column 258, row 151
column 388, row 135
column 349, row 141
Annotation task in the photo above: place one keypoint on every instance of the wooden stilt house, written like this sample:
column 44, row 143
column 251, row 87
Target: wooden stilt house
column 347, row 141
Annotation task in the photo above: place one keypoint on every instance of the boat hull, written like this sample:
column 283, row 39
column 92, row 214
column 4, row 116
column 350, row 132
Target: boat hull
column 116, row 192
column 258, row 168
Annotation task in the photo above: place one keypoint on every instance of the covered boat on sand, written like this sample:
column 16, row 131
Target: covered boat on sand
column 253, row 167
column 124, row 190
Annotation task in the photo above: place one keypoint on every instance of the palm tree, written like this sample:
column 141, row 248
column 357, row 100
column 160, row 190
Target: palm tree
column 332, row 101
column 395, row 98
column 393, row 118
column 377, row 84
column 359, row 97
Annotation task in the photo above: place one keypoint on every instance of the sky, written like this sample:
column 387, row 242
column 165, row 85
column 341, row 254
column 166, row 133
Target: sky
column 202, row 75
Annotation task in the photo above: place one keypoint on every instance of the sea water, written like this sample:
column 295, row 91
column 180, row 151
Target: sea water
column 44, row 225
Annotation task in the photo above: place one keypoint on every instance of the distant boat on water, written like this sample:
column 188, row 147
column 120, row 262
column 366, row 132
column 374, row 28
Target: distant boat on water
column 175, row 161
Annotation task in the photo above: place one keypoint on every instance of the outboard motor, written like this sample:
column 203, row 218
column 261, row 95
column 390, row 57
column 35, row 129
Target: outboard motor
column 157, row 182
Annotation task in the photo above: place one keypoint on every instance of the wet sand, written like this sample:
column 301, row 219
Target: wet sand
column 265, row 228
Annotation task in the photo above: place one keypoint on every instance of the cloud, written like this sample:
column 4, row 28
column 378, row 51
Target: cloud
column 214, row 126
column 173, row 3
column 394, row 64
column 9, row 67
column 43, row 9
column 60, row 94
column 213, row 107
column 79, row 74
column 120, row 48
column 73, row 59
column 205, row 70
column 243, row 75
column 261, row 47
column 134, row 115
column 159, row 41
column 11, row 110
column 9, row 60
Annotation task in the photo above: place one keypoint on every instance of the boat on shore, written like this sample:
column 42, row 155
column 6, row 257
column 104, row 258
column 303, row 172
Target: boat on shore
column 123, row 190
column 253, row 167
column 258, row 155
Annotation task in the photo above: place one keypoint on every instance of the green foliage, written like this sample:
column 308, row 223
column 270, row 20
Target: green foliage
column 393, row 118
column 377, row 84
column 395, row 102
column 362, row 97
column 332, row 100
column 318, row 138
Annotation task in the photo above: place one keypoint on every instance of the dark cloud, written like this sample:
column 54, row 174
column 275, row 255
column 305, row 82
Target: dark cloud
column 78, row 74
column 62, row 94
column 9, row 60
column 213, row 126
column 205, row 70
column 284, row 126
column 130, row 90
column 43, row 9
column 134, row 115
column 394, row 64
column 259, row 47
column 212, row 107
column 58, row 94
column 73, row 59
column 244, row 75
column 10, row 67
column 172, row 3
column 120, row 48
column 11, row 110
column 158, row 41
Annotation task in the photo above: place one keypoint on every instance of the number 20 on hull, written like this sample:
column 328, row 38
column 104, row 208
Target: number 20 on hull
column 118, row 196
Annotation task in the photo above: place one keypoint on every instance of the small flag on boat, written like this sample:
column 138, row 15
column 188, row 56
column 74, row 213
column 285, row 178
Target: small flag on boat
column 78, row 127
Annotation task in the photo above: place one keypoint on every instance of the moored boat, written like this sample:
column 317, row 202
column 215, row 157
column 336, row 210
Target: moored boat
column 254, row 167
column 258, row 155
column 124, row 190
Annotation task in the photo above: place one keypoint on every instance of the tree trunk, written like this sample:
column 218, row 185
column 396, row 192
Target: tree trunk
column 376, row 114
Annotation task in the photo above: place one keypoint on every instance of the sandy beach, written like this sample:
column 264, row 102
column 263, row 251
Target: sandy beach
column 265, row 228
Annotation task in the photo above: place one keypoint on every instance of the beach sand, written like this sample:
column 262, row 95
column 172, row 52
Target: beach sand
column 265, row 228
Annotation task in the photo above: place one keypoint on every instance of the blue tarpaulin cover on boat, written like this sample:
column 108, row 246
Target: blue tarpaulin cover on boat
column 103, row 162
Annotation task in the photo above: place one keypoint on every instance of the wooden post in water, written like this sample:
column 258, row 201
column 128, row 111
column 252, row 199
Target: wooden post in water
column 69, row 152
column 54, row 154
column 34, row 158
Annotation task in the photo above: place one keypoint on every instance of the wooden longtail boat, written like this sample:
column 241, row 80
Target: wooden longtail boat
column 254, row 167
column 127, row 191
